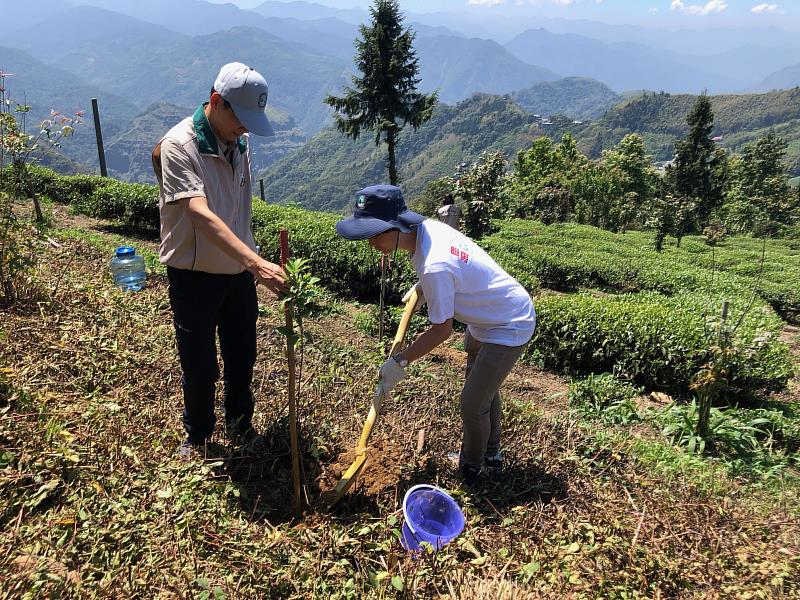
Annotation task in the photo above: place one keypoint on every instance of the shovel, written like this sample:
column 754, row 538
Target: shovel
column 357, row 466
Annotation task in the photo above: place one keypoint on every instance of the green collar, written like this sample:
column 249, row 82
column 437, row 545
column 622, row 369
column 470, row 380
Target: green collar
column 206, row 138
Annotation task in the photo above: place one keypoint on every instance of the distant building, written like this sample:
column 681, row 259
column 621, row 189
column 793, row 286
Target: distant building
column 662, row 165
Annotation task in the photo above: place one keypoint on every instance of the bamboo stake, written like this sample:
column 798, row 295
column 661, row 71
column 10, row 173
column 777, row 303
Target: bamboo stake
column 383, row 292
column 290, row 359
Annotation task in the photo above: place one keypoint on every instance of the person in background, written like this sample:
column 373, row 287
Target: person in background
column 459, row 281
column 203, row 170
column 450, row 213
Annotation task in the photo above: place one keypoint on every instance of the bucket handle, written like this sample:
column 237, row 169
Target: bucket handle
column 420, row 486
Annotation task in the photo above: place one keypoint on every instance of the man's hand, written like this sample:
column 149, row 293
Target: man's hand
column 269, row 275
column 264, row 272
column 420, row 295
column 391, row 373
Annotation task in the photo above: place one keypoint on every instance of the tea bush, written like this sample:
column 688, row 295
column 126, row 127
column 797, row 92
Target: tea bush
column 135, row 204
column 350, row 269
column 654, row 340
column 570, row 257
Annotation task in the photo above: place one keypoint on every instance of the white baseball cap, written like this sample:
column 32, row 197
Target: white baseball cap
column 247, row 92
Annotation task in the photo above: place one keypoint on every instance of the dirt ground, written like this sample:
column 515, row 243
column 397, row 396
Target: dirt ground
column 578, row 513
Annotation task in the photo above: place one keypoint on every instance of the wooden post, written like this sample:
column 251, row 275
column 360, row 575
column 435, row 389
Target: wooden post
column 290, row 359
column 98, row 133
column 383, row 292
column 261, row 182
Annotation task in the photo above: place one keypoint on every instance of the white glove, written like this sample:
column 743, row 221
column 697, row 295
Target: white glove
column 420, row 295
column 391, row 373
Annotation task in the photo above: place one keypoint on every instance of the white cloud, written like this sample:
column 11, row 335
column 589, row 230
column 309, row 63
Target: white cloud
column 485, row 2
column 764, row 8
column 713, row 6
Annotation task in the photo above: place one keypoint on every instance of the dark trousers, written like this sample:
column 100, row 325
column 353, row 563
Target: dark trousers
column 204, row 304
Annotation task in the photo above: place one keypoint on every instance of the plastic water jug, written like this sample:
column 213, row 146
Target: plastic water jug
column 127, row 269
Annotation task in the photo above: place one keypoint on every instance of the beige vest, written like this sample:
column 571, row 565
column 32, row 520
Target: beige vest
column 189, row 163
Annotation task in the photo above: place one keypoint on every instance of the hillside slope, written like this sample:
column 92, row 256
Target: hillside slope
column 324, row 174
column 576, row 97
column 459, row 67
column 33, row 82
column 661, row 120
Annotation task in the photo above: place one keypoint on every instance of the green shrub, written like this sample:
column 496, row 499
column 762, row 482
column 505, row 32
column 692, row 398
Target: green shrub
column 654, row 340
column 570, row 257
column 728, row 433
column 605, row 397
column 777, row 429
column 135, row 204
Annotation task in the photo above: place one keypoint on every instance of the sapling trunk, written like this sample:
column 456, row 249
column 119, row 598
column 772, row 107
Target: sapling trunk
column 290, row 359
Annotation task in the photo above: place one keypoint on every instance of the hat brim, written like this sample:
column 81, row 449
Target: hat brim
column 363, row 228
column 256, row 121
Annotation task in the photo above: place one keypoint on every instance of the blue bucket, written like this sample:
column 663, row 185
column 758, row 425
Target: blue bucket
column 432, row 516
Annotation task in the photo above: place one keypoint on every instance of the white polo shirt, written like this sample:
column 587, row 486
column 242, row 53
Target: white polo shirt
column 193, row 165
column 461, row 281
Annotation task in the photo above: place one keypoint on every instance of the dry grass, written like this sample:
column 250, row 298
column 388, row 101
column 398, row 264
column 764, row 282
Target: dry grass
column 92, row 503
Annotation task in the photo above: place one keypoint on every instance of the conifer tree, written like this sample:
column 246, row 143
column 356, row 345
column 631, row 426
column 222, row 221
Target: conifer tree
column 699, row 166
column 384, row 98
column 760, row 199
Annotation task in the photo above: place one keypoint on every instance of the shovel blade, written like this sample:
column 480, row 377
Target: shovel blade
column 348, row 479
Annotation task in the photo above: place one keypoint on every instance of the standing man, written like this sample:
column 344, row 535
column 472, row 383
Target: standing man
column 450, row 213
column 203, row 170
column 459, row 280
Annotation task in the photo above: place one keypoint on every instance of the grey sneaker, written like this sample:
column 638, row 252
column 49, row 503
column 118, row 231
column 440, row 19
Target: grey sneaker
column 189, row 450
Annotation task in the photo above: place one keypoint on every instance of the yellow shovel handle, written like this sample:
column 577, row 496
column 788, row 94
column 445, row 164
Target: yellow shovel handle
column 377, row 400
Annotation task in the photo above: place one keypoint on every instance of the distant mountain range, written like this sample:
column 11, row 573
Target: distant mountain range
column 149, row 61
column 783, row 79
column 458, row 67
column 621, row 66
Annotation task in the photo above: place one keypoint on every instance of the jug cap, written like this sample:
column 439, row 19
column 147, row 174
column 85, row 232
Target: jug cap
column 124, row 251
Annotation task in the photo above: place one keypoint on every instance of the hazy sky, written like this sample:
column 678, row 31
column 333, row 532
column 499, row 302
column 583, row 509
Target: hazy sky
column 668, row 13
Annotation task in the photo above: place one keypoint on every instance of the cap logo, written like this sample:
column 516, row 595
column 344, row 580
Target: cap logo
column 361, row 202
column 262, row 100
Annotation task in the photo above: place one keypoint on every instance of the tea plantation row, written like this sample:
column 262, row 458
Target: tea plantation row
column 658, row 340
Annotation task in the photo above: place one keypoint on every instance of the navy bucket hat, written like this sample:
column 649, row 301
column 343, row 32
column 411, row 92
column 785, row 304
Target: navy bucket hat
column 378, row 208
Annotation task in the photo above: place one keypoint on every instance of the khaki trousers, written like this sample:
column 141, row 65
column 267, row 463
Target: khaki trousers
column 488, row 365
